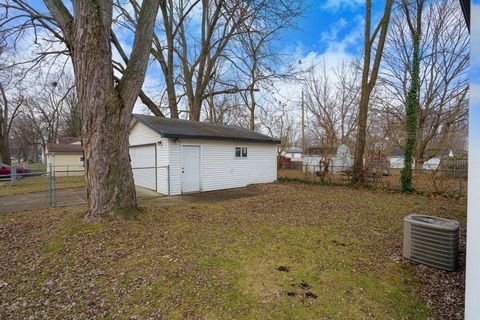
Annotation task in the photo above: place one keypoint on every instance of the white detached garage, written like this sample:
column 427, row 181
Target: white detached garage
column 173, row 156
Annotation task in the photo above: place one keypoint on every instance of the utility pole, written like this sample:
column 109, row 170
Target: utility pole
column 303, row 126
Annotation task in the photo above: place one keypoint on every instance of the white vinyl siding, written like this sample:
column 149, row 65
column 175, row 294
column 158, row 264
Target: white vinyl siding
column 399, row 163
column 162, row 166
column 175, row 152
column 65, row 164
column 220, row 169
column 140, row 134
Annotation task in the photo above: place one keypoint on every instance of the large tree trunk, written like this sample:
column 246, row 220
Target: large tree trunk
column 252, row 108
column 5, row 150
column 412, row 99
column 105, row 121
column 4, row 147
column 105, row 108
column 172, row 98
column 110, row 187
column 369, row 78
column 420, row 143
column 358, row 174
column 195, row 109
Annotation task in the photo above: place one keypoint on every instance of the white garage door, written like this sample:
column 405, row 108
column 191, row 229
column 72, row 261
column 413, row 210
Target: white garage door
column 143, row 165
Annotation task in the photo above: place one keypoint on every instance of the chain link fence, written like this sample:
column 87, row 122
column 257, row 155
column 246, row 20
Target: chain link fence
column 445, row 179
column 64, row 185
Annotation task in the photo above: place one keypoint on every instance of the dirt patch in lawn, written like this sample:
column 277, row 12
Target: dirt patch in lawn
column 223, row 259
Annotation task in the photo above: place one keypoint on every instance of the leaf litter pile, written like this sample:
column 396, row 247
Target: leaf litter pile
column 294, row 251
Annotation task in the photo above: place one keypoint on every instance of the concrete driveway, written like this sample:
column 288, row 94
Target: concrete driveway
column 77, row 197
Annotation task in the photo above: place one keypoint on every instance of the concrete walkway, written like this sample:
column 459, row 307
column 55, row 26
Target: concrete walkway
column 39, row 200
column 77, row 197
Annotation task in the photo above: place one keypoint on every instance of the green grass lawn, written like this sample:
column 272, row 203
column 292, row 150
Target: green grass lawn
column 37, row 166
column 223, row 260
column 38, row 184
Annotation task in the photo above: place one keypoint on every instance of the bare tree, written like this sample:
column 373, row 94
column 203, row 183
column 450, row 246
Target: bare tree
column 194, row 38
column 106, row 101
column 369, row 78
column 46, row 107
column 331, row 97
column 444, row 57
column 71, row 117
column 412, row 96
column 9, row 110
column 9, row 106
column 106, row 107
column 279, row 122
column 255, row 59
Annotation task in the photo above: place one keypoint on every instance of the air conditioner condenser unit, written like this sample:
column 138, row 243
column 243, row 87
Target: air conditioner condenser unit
column 431, row 240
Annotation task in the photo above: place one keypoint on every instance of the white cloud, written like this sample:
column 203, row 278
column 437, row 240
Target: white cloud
column 475, row 95
column 335, row 5
column 337, row 51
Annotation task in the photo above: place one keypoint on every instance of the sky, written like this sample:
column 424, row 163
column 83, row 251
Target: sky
column 326, row 27
column 329, row 31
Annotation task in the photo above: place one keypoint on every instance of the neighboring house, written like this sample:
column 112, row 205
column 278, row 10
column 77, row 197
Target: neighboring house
column 342, row 161
column 173, row 156
column 312, row 157
column 66, row 156
column 397, row 159
column 295, row 154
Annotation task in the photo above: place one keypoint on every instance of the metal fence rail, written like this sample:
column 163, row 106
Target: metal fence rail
column 441, row 180
column 155, row 178
column 64, row 185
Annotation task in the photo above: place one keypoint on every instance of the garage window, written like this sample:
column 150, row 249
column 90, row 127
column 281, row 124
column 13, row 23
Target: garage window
column 241, row 152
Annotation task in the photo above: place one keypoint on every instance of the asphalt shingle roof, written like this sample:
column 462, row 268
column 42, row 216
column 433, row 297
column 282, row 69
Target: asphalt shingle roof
column 67, row 140
column 64, row 148
column 177, row 128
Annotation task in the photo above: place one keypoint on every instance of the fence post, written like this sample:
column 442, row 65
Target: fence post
column 54, row 190
column 13, row 175
column 168, row 179
column 50, row 185
column 460, row 178
column 67, row 170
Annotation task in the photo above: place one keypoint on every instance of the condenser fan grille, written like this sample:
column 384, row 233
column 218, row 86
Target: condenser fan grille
column 432, row 241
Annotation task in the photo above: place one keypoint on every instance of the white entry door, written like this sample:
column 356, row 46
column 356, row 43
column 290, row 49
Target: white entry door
column 190, row 169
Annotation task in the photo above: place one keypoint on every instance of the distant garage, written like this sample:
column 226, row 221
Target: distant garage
column 173, row 156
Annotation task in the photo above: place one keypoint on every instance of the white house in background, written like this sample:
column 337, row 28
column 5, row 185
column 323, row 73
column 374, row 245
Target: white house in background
column 311, row 163
column 66, row 156
column 295, row 154
column 397, row 158
column 173, row 156
column 342, row 161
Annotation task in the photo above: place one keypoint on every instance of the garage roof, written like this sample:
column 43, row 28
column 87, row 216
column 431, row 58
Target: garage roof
column 64, row 148
column 177, row 128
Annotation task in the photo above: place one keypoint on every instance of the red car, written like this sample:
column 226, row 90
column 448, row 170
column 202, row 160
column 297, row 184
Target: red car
column 5, row 170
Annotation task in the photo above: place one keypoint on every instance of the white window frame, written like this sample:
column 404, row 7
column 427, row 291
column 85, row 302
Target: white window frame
column 242, row 148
